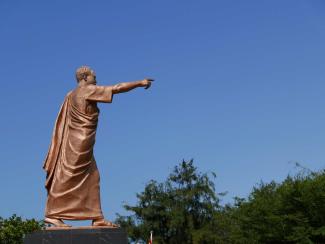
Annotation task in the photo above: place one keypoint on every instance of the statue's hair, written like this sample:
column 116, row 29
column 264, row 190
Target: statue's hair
column 83, row 72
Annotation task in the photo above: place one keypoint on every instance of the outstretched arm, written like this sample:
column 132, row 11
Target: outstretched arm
column 127, row 86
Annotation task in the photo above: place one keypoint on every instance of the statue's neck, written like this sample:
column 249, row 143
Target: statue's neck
column 84, row 83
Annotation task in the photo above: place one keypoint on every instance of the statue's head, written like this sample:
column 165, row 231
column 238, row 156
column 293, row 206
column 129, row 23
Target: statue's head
column 86, row 74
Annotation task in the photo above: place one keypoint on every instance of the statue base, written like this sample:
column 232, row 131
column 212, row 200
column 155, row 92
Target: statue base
column 78, row 235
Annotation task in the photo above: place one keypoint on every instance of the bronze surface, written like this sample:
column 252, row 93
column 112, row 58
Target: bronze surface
column 72, row 180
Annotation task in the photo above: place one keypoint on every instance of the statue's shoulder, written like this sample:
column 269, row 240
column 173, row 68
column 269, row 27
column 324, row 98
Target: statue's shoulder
column 86, row 90
column 69, row 94
column 81, row 92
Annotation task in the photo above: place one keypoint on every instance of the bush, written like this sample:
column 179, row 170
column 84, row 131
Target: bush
column 13, row 229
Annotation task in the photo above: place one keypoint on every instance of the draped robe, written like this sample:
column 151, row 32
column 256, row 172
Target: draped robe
column 72, row 180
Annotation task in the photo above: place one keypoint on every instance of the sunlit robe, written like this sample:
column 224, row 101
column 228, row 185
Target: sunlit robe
column 72, row 180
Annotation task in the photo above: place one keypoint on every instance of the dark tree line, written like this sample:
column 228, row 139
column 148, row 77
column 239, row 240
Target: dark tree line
column 13, row 229
column 185, row 209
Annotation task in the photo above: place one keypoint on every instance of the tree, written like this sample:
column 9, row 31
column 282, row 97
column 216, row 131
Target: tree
column 185, row 209
column 180, row 210
column 290, row 212
column 13, row 229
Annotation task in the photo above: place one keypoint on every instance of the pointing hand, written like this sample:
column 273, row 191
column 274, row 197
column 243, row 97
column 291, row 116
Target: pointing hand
column 147, row 83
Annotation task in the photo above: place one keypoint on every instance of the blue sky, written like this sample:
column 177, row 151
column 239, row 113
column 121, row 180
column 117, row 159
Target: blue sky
column 240, row 87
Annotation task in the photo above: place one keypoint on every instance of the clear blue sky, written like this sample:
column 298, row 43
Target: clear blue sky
column 240, row 87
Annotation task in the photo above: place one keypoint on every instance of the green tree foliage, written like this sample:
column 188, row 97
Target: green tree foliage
column 13, row 229
column 290, row 212
column 180, row 210
column 186, row 209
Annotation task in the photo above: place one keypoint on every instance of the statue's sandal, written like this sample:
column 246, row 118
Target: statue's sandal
column 56, row 222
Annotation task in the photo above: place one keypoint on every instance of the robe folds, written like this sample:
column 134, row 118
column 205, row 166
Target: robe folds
column 72, row 180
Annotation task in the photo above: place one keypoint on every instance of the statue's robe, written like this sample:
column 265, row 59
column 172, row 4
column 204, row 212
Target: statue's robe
column 72, row 180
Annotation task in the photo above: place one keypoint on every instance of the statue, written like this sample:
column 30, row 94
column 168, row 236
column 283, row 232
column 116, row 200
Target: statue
column 72, row 179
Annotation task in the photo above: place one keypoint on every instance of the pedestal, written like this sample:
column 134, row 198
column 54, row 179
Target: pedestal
column 78, row 235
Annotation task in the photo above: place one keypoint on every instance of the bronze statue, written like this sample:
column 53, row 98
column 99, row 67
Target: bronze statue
column 72, row 180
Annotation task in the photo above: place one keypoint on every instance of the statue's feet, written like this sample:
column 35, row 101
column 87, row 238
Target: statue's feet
column 103, row 222
column 56, row 222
